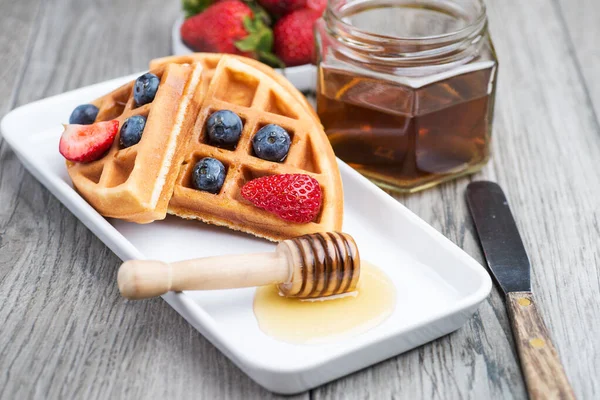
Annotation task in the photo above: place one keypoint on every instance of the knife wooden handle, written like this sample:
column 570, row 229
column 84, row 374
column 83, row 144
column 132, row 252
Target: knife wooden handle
column 544, row 374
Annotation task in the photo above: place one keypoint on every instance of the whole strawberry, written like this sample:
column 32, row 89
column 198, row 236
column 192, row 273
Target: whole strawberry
column 280, row 8
column 229, row 27
column 292, row 197
column 294, row 38
column 217, row 28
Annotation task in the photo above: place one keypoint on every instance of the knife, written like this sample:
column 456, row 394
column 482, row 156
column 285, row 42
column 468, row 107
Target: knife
column 506, row 257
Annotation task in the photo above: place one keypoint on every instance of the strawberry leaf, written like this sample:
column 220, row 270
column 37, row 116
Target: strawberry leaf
column 193, row 7
column 265, row 41
column 260, row 13
column 260, row 36
column 259, row 41
column 249, row 43
column 271, row 60
column 249, row 24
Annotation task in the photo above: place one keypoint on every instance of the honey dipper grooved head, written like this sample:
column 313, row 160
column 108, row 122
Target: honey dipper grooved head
column 321, row 264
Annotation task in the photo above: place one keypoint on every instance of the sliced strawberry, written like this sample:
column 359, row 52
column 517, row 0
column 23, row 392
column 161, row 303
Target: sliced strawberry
column 292, row 197
column 85, row 143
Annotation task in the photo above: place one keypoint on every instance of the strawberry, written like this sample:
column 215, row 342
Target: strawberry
column 85, row 143
column 217, row 28
column 229, row 26
column 294, row 39
column 292, row 197
column 317, row 5
column 280, row 8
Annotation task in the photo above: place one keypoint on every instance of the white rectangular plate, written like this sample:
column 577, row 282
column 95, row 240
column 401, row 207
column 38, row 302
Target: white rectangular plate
column 438, row 285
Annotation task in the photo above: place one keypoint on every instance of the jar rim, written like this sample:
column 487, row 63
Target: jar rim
column 465, row 31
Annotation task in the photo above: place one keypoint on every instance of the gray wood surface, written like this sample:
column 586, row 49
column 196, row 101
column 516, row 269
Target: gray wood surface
column 580, row 20
column 66, row 333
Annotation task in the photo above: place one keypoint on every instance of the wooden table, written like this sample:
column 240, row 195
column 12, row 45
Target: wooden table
column 66, row 333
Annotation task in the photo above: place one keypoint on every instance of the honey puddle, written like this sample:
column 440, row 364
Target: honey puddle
column 328, row 319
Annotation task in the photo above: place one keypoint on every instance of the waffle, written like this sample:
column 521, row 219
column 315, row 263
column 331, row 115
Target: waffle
column 259, row 96
column 210, row 61
column 136, row 183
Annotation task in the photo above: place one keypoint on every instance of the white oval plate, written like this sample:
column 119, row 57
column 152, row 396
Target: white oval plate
column 439, row 286
column 303, row 77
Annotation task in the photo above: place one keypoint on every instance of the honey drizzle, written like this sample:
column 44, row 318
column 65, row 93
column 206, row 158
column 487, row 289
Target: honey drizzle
column 323, row 320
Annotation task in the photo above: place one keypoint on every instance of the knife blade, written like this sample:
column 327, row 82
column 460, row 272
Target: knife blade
column 499, row 236
column 507, row 259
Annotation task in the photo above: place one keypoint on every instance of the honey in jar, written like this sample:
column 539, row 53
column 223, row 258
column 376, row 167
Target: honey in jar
column 406, row 88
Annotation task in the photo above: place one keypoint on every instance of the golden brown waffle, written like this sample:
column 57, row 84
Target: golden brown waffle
column 210, row 61
column 259, row 96
column 136, row 183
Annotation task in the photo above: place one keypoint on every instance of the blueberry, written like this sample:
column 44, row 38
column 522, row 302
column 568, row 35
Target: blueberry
column 271, row 143
column 84, row 114
column 208, row 175
column 131, row 131
column 224, row 128
column 145, row 89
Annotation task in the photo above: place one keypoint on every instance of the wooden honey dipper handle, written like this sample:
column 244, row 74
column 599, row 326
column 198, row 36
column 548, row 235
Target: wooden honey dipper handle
column 316, row 265
column 141, row 279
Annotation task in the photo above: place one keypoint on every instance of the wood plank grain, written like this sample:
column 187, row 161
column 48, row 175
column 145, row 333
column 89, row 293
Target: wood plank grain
column 544, row 373
column 17, row 28
column 581, row 18
column 68, row 334
column 66, row 331
column 477, row 361
column 545, row 151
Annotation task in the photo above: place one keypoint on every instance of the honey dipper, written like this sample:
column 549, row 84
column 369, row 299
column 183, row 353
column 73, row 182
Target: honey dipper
column 309, row 266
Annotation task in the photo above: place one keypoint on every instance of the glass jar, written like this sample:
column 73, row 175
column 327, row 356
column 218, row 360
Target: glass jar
column 406, row 88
